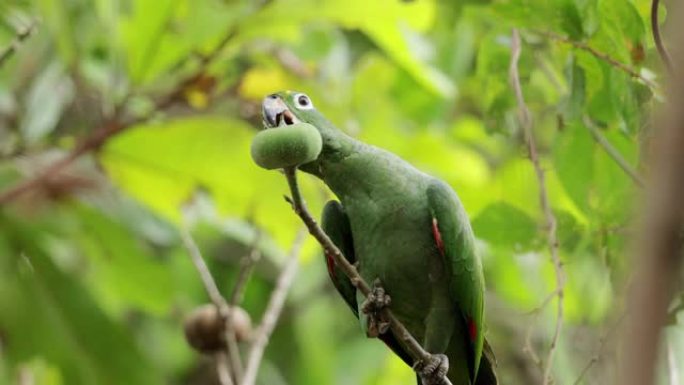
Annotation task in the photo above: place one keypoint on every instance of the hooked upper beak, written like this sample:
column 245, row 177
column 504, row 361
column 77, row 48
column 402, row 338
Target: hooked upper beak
column 275, row 112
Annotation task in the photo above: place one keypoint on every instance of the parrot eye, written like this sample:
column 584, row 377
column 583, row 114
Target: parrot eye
column 303, row 102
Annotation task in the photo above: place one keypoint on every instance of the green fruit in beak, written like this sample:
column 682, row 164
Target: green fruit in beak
column 286, row 146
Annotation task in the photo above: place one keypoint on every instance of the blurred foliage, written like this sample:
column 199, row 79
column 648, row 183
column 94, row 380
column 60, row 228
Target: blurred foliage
column 94, row 282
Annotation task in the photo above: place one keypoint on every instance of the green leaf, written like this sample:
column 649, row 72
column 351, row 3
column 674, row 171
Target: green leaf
column 48, row 313
column 122, row 272
column 163, row 165
column 159, row 34
column 506, row 226
column 573, row 160
column 392, row 25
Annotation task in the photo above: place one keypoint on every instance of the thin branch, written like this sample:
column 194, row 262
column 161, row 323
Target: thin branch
column 272, row 312
column 601, row 56
column 414, row 349
column 222, row 369
column 202, row 268
column 248, row 262
column 602, row 344
column 217, row 299
column 14, row 45
column 526, row 122
column 612, row 152
column 655, row 26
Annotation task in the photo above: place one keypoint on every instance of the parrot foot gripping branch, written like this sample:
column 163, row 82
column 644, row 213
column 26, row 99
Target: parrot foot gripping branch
column 375, row 302
column 427, row 261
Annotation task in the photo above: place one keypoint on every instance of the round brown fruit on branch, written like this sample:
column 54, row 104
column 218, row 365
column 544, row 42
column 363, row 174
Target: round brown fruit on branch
column 204, row 329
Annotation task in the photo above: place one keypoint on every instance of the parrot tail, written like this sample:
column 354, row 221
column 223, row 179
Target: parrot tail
column 486, row 375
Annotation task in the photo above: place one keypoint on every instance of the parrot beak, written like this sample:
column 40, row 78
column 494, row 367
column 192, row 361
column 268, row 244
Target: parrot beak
column 275, row 112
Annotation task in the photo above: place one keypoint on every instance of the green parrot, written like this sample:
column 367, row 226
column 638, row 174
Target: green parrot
column 405, row 231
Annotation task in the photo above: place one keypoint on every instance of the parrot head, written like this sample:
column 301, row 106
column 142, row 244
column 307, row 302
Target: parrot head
column 290, row 107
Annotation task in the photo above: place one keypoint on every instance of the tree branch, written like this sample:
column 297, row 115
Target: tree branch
column 655, row 27
column 612, row 152
column 526, row 122
column 415, row 350
column 272, row 312
column 247, row 266
column 217, row 299
column 14, row 45
column 602, row 344
column 658, row 249
column 601, row 56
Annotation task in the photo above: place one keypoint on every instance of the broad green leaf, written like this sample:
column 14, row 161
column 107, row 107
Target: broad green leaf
column 49, row 94
column 122, row 272
column 162, row 165
column 159, row 34
column 573, row 160
column 390, row 24
column 506, row 226
column 574, row 105
column 50, row 315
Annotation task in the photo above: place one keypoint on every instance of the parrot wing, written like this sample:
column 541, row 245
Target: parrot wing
column 456, row 243
column 335, row 223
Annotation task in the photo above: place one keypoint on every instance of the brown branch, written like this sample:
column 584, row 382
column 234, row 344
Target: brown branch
column 248, row 262
column 655, row 27
column 272, row 312
column 658, row 251
column 14, row 45
column 217, row 299
column 222, row 369
column 414, row 349
column 526, row 122
column 602, row 344
column 613, row 152
column 601, row 56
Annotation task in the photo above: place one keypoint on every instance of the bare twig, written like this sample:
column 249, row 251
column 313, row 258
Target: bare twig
column 526, row 122
column 655, row 26
column 601, row 56
column 222, row 369
column 272, row 312
column 246, row 269
column 14, row 45
column 248, row 263
column 218, row 301
column 414, row 349
column 599, row 352
column 613, row 152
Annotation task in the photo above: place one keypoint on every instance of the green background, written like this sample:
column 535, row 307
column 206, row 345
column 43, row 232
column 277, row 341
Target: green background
column 94, row 281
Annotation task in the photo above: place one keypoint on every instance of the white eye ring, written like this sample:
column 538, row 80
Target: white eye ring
column 303, row 102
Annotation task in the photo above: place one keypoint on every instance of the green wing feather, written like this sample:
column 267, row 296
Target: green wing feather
column 335, row 223
column 457, row 244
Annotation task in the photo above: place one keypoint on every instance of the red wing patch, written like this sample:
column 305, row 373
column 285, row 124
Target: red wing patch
column 438, row 236
column 330, row 262
column 472, row 330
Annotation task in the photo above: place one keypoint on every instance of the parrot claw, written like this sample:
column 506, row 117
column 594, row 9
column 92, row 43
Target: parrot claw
column 433, row 372
column 376, row 301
